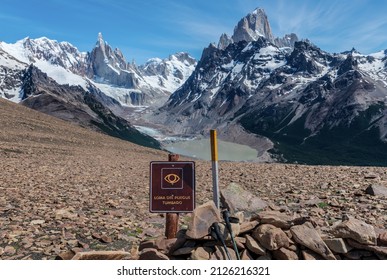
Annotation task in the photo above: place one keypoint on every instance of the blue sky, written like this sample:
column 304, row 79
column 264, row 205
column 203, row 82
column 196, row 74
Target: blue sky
column 156, row 28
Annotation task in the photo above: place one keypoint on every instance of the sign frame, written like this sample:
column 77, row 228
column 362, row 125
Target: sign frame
column 165, row 185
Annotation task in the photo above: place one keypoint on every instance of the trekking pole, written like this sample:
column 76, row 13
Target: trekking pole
column 215, row 232
column 226, row 216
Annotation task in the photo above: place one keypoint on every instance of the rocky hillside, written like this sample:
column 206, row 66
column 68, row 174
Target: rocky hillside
column 315, row 107
column 68, row 188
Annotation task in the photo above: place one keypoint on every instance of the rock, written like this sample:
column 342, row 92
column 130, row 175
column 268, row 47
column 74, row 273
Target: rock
column 382, row 239
column 306, row 235
column 220, row 254
column 106, row 239
column 356, row 230
column 183, row 251
column 202, row 219
column 236, row 199
column 376, row 249
column 277, row 219
column 102, row 255
column 254, row 246
column 37, row 222
column 248, row 226
column 338, row 245
column 152, row 254
column 284, row 254
column 65, row 214
column 246, row 256
column 162, row 244
column 270, row 237
column 68, row 255
column 9, row 250
column 377, row 190
column 358, row 254
column 310, row 255
column 201, row 253
column 371, row 176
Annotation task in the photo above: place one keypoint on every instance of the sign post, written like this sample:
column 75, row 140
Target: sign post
column 172, row 219
column 215, row 176
column 172, row 190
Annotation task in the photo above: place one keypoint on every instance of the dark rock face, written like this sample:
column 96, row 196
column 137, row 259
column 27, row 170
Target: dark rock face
column 310, row 102
column 75, row 104
column 109, row 66
column 253, row 26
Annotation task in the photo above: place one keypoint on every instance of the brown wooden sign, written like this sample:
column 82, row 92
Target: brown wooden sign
column 172, row 186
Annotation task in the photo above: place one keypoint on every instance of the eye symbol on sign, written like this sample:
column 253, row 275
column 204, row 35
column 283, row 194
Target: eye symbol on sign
column 172, row 179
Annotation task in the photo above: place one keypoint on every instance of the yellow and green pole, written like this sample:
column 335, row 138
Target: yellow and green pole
column 215, row 173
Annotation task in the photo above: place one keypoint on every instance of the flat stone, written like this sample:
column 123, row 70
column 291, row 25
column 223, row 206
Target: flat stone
column 358, row 254
column 284, row 254
column 248, row 226
column 277, row 219
column 306, row 235
column 377, row 190
column 152, row 254
column 37, row 222
column 201, row 253
column 254, row 246
column 356, row 230
column 376, row 249
column 338, row 245
column 202, row 219
column 236, row 198
column 270, row 237
column 101, row 255
column 183, row 251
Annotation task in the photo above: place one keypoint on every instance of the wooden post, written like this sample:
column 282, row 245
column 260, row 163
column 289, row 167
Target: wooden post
column 214, row 159
column 172, row 219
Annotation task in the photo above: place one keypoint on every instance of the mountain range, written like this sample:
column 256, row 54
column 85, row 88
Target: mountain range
column 287, row 98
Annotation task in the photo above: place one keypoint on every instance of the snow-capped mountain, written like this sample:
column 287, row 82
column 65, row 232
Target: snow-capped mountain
column 314, row 106
column 85, row 88
column 105, row 68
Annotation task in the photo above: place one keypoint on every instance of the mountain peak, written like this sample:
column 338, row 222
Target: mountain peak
column 253, row 26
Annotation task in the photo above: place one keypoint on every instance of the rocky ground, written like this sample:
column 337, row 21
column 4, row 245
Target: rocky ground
column 64, row 187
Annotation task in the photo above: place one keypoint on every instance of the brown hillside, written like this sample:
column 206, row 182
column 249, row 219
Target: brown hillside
column 63, row 186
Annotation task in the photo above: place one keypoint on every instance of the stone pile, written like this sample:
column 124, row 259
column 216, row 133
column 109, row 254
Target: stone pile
column 269, row 235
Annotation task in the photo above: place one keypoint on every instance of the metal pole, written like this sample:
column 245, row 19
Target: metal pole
column 215, row 176
column 172, row 219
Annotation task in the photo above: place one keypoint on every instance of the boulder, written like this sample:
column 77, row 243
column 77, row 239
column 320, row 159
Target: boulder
column 236, row 198
column 356, row 230
column 307, row 236
column 377, row 190
column 202, row 219
column 338, row 245
column 270, row 237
